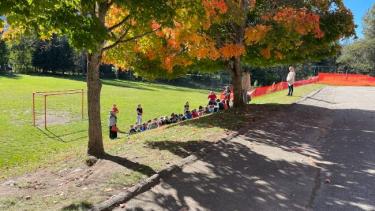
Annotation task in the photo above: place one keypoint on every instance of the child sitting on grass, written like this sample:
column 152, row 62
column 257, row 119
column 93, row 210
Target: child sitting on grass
column 132, row 130
column 206, row 110
column 220, row 104
column 211, row 108
column 138, row 128
column 155, row 123
column 173, row 118
column 188, row 115
column 144, row 127
column 200, row 111
column 181, row 117
column 194, row 113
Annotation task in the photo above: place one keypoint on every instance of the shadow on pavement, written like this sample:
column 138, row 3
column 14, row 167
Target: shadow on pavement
column 285, row 157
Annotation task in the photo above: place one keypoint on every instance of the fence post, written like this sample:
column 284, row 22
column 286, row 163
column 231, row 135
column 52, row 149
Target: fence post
column 45, row 111
column 82, row 102
column 34, row 109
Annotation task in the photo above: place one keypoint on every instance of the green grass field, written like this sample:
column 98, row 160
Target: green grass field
column 24, row 147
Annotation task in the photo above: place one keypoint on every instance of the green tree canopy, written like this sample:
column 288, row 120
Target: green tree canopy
column 4, row 55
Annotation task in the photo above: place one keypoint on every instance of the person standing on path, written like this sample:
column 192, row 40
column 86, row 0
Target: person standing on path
column 290, row 79
column 139, row 114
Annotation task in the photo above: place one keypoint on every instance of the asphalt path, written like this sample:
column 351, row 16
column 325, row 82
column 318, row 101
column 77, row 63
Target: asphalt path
column 318, row 154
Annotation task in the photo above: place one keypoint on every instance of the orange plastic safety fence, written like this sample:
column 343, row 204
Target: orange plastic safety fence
column 346, row 79
column 324, row 78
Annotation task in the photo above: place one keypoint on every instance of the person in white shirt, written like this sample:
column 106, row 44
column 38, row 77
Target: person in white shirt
column 290, row 79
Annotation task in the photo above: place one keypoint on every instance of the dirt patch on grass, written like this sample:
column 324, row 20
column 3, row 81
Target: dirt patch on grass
column 57, row 118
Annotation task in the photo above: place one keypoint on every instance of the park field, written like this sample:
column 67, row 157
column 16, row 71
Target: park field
column 23, row 146
column 58, row 153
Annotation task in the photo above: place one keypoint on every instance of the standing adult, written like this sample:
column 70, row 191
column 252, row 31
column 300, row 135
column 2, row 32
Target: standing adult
column 290, row 79
column 212, row 98
column 113, row 125
column 186, row 107
column 139, row 114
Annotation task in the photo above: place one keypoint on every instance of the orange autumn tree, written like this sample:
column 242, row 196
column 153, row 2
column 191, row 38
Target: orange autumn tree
column 169, row 51
column 231, row 33
column 266, row 33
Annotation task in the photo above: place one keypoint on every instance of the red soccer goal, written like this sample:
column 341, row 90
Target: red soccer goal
column 44, row 103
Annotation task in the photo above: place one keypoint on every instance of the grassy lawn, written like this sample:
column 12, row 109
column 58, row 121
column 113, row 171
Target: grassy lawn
column 23, row 146
column 60, row 150
column 281, row 98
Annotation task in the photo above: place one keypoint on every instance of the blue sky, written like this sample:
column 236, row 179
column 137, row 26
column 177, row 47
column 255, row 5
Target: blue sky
column 359, row 9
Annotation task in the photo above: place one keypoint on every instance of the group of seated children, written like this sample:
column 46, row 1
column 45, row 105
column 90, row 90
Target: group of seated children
column 214, row 105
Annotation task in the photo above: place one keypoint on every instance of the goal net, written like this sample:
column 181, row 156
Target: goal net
column 57, row 107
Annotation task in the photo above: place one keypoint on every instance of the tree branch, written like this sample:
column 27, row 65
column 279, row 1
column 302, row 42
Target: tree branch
column 119, row 23
column 122, row 40
column 122, row 36
column 109, row 3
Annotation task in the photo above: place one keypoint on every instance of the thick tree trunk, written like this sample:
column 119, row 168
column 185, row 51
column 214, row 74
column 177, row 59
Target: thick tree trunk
column 236, row 72
column 95, row 145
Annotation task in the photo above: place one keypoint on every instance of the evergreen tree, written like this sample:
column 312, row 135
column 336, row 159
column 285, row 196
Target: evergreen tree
column 20, row 57
column 54, row 55
column 4, row 56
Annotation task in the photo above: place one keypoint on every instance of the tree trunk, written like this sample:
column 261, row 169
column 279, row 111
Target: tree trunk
column 95, row 145
column 236, row 72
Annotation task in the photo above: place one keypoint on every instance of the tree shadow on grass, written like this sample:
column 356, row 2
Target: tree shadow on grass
column 10, row 75
column 135, row 166
column 126, row 84
column 78, row 206
column 62, row 137
column 153, row 85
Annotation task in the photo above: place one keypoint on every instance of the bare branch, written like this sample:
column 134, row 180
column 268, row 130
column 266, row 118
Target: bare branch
column 119, row 23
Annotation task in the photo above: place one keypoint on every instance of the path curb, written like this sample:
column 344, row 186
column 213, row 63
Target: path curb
column 308, row 96
column 152, row 181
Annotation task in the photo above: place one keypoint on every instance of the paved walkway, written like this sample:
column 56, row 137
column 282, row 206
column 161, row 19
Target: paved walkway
column 315, row 155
